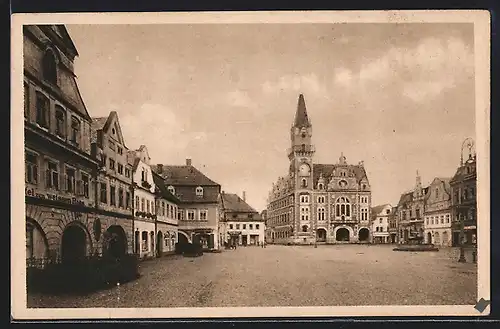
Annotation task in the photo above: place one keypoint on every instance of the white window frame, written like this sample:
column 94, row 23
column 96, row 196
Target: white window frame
column 199, row 191
column 205, row 212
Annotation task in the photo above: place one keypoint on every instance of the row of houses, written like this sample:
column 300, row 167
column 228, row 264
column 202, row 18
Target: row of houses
column 443, row 212
column 87, row 193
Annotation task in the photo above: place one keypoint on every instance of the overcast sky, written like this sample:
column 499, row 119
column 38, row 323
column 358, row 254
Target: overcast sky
column 398, row 96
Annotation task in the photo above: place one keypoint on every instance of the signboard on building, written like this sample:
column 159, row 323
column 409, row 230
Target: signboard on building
column 31, row 192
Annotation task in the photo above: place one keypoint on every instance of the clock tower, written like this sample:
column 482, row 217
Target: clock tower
column 301, row 151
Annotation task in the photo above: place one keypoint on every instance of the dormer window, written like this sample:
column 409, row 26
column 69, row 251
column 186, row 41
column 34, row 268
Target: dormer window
column 320, row 186
column 199, row 191
column 49, row 67
column 171, row 189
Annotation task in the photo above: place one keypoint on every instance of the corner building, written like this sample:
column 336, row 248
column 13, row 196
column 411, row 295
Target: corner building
column 317, row 203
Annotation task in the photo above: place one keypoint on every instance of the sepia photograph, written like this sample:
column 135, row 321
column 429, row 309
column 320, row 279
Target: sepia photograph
column 250, row 164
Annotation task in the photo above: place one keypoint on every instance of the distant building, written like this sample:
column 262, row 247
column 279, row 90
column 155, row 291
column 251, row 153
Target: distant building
column 144, row 204
column 380, row 223
column 464, row 202
column 437, row 216
column 241, row 224
column 198, row 208
column 393, row 225
column 411, row 208
column 325, row 203
column 166, row 217
column 114, row 183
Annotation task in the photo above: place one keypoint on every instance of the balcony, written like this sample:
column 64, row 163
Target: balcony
column 302, row 148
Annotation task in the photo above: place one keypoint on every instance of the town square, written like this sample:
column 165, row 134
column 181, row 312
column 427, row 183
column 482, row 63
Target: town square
column 185, row 165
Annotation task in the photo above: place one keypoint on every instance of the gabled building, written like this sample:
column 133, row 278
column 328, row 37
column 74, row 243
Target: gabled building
column 166, row 217
column 198, row 208
column 411, row 208
column 144, row 203
column 380, row 223
column 240, row 223
column 464, row 202
column 114, row 183
column 60, row 171
column 437, row 216
column 393, row 225
column 328, row 203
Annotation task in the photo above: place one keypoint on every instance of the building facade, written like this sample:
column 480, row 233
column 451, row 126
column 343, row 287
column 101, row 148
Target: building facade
column 60, row 172
column 411, row 208
column 393, row 225
column 198, row 208
column 114, row 182
column 166, row 217
column 380, row 223
column 464, row 202
column 437, row 216
column 240, row 223
column 144, row 189
column 325, row 203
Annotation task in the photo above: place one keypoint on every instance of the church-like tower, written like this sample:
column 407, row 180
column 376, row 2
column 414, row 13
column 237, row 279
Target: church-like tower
column 301, row 150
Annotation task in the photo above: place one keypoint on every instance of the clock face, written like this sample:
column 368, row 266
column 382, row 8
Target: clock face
column 304, row 170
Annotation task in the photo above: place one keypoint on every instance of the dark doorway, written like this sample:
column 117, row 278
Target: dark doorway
column 74, row 244
column 321, row 235
column 152, row 241
column 393, row 238
column 159, row 243
column 116, row 245
column 182, row 239
column 364, row 234
column 429, row 237
column 342, row 235
column 137, row 242
column 244, row 240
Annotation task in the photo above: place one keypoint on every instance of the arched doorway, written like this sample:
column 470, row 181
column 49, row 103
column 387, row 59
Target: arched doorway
column 37, row 245
column 116, row 242
column 182, row 238
column 321, row 235
column 74, row 244
column 445, row 239
column 436, row 238
column 429, row 237
column 304, row 228
column 363, row 234
column 159, row 243
column 152, row 241
column 342, row 235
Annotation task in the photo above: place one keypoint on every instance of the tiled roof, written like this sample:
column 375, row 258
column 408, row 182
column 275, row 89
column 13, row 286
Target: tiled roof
column 232, row 202
column 327, row 171
column 164, row 192
column 97, row 124
column 183, row 176
column 301, row 118
column 377, row 209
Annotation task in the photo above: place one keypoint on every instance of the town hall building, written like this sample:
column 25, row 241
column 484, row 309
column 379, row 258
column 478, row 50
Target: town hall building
column 317, row 203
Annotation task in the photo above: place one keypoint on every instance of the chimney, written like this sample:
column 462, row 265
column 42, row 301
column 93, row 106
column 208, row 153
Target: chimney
column 188, row 162
column 244, row 196
column 160, row 168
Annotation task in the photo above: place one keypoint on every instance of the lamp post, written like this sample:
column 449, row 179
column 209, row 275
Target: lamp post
column 469, row 143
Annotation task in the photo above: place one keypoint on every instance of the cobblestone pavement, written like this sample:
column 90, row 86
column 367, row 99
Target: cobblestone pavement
column 291, row 276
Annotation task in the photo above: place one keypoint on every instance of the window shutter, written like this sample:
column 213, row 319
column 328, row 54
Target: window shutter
column 35, row 173
column 48, row 178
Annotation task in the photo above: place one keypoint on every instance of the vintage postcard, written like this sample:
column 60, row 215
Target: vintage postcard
column 250, row 164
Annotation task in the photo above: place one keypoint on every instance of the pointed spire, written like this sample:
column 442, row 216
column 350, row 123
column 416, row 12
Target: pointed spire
column 301, row 118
